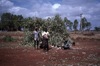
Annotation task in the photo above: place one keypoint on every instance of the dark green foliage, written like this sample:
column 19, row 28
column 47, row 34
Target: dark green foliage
column 88, row 26
column 75, row 25
column 28, row 37
column 11, row 22
column 8, row 38
column 54, row 25
column 85, row 25
column 68, row 23
column 58, row 25
column 97, row 28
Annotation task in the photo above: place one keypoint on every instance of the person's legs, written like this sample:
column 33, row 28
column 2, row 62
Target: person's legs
column 47, row 46
column 44, row 43
column 35, row 43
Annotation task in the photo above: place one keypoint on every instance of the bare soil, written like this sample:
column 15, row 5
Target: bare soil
column 86, row 52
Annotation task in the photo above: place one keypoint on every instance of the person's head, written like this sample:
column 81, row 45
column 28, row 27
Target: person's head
column 36, row 28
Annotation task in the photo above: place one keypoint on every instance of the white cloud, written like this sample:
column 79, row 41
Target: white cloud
column 67, row 8
column 6, row 3
column 21, row 11
column 15, row 9
column 43, row 10
column 56, row 6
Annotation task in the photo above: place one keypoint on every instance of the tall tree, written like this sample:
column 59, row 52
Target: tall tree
column 68, row 23
column 75, row 25
column 58, row 24
column 10, row 21
column 6, row 20
column 88, row 26
column 83, row 23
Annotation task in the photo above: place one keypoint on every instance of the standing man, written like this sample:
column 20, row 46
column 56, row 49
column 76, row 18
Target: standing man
column 45, row 36
column 36, row 38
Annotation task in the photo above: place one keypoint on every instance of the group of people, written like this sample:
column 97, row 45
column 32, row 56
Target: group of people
column 44, row 38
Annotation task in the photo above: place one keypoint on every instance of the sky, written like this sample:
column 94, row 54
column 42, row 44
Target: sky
column 48, row 8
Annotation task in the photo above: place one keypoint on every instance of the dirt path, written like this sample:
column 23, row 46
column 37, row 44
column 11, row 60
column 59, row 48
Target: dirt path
column 85, row 53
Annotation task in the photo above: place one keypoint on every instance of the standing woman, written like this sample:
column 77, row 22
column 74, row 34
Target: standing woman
column 45, row 36
column 36, row 38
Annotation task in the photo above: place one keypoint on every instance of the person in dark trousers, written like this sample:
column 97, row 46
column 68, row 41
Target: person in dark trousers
column 45, row 38
column 36, row 38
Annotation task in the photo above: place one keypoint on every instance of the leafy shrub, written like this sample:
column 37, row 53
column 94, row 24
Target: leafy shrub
column 28, row 37
column 57, row 39
column 56, row 27
column 8, row 38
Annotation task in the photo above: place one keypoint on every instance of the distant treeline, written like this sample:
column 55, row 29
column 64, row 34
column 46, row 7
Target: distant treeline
column 11, row 22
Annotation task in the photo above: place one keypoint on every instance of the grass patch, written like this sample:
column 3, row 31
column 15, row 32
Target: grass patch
column 8, row 38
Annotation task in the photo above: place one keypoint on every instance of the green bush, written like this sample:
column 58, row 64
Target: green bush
column 56, row 27
column 8, row 38
column 57, row 39
column 28, row 37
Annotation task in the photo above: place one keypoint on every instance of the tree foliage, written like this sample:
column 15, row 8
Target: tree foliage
column 68, row 23
column 55, row 25
column 58, row 24
column 11, row 22
column 75, row 25
column 85, row 25
column 97, row 28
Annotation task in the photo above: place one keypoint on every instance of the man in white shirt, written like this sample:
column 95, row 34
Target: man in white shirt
column 45, row 35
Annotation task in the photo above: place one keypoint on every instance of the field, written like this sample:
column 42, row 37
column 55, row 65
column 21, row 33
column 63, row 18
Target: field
column 86, row 52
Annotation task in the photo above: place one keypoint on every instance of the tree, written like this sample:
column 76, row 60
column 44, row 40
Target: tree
column 11, row 22
column 88, row 26
column 81, row 22
column 75, row 25
column 58, row 24
column 57, row 30
column 5, row 20
column 17, row 21
column 97, row 28
column 85, row 24
column 27, row 22
column 68, row 23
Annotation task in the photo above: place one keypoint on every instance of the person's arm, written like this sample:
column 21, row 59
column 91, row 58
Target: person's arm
column 33, row 34
column 39, row 35
column 48, row 34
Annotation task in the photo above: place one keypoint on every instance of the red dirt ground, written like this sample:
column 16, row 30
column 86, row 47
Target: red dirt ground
column 84, row 53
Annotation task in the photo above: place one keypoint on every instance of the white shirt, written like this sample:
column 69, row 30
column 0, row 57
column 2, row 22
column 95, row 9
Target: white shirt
column 36, row 35
column 45, row 33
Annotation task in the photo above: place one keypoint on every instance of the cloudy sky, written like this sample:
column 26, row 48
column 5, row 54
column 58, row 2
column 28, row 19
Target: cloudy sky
column 48, row 8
